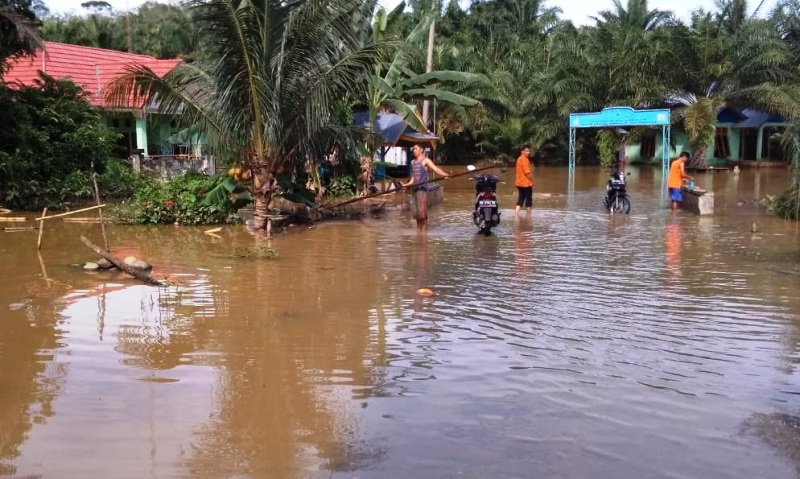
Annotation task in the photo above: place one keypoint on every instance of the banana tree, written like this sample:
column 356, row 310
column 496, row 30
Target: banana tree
column 396, row 86
column 276, row 75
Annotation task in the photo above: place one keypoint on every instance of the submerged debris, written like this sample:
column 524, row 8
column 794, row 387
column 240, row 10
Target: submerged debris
column 260, row 251
column 781, row 431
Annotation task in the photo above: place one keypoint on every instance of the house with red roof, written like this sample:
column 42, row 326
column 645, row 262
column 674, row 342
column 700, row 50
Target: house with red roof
column 140, row 127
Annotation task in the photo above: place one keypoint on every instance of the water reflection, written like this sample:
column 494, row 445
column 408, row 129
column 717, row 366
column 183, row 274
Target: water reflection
column 576, row 344
column 672, row 246
column 523, row 231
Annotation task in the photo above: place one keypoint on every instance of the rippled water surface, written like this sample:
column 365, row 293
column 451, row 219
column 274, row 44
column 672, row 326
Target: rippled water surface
column 570, row 345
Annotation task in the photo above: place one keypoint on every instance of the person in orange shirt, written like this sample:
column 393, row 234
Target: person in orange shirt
column 677, row 175
column 524, row 182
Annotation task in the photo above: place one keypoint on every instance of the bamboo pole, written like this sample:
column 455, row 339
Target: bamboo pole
column 70, row 212
column 381, row 193
column 44, row 270
column 11, row 229
column 99, row 210
column 81, row 220
column 13, row 219
column 41, row 229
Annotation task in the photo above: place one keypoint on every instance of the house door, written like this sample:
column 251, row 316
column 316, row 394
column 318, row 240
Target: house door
column 123, row 146
column 748, row 148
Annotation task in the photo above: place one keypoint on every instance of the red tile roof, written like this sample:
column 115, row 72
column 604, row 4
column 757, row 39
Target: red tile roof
column 92, row 68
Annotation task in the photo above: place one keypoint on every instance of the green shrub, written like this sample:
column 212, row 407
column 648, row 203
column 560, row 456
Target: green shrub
column 118, row 180
column 342, row 186
column 787, row 204
column 180, row 200
column 50, row 139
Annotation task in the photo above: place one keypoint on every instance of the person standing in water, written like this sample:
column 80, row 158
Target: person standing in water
column 677, row 175
column 524, row 182
column 419, row 174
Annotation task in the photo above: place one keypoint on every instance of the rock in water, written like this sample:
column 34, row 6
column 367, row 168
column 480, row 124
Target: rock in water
column 142, row 265
column 103, row 263
column 91, row 266
column 129, row 260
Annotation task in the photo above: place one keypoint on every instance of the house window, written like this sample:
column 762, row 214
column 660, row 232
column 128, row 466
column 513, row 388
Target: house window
column 648, row 149
column 722, row 144
column 115, row 123
column 128, row 123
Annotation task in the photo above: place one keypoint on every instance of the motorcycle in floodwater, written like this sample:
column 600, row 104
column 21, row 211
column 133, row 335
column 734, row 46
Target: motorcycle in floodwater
column 616, row 198
column 486, row 214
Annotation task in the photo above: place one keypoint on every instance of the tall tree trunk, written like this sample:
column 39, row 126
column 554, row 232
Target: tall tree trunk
column 263, row 189
column 429, row 63
column 366, row 175
column 698, row 159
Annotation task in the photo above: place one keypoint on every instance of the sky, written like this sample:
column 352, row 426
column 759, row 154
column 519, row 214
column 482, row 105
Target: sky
column 579, row 11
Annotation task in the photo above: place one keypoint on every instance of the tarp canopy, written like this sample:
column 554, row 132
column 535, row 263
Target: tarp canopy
column 393, row 129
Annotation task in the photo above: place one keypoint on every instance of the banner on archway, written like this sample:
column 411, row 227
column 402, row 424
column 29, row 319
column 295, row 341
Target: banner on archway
column 621, row 117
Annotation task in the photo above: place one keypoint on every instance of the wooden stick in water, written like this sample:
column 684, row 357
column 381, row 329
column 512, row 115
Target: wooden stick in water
column 381, row 193
column 138, row 274
column 99, row 210
column 41, row 229
column 81, row 220
column 11, row 229
column 70, row 213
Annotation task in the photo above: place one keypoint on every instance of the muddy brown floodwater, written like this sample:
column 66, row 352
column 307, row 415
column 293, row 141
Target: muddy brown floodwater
column 573, row 345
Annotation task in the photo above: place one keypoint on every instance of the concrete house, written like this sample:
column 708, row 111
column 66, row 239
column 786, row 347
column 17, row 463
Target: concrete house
column 142, row 130
column 743, row 136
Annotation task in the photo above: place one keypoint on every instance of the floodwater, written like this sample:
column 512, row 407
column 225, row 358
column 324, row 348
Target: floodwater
column 571, row 345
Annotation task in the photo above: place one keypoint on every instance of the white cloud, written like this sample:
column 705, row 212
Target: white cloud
column 579, row 11
column 74, row 6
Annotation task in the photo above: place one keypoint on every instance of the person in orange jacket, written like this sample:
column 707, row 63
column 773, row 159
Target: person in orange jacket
column 524, row 182
column 677, row 175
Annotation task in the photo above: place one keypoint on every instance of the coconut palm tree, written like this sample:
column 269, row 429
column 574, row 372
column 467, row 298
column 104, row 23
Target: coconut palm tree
column 278, row 72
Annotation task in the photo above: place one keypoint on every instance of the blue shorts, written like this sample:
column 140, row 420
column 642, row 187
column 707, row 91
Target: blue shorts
column 675, row 194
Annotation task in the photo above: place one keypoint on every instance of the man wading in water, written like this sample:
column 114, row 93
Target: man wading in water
column 419, row 174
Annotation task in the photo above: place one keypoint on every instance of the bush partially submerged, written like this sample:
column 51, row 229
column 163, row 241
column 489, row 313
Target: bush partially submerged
column 260, row 251
column 183, row 200
column 787, row 204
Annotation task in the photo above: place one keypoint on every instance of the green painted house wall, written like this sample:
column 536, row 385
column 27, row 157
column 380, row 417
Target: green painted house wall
column 154, row 134
column 680, row 142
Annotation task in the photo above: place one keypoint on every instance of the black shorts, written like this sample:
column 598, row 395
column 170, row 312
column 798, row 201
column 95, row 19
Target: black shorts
column 525, row 197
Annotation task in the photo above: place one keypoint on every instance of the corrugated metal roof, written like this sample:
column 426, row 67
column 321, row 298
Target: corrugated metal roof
column 91, row 68
column 393, row 129
column 756, row 118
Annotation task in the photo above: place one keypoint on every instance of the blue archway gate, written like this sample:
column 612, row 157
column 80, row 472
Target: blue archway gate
column 620, row 116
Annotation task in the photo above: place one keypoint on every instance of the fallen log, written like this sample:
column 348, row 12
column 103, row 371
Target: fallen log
column 138, row 274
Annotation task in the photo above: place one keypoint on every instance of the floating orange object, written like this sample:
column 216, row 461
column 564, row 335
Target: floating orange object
column 425, row 292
